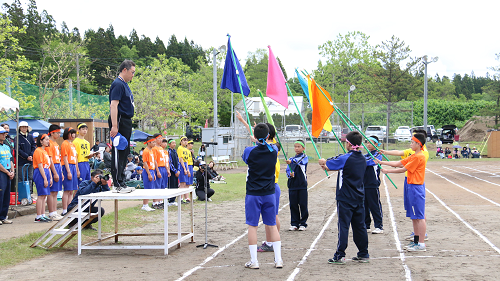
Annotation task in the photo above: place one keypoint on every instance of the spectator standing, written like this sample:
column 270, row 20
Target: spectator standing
column 27, row 147
column 121, row 108
column 202, row 152
column 10, row 142
column 6, row 175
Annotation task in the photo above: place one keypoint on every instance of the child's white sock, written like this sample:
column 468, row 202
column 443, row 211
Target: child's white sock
column 421, row 244
column 253, row 253
column 38, row 216
column 270, row 244
column 277, row 250
column 145, row 205
column 52, row 213
column 155, row 203
column 65, row 211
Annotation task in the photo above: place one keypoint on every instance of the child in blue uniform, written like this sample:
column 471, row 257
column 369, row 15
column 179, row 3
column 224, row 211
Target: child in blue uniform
column 372, row 193
column 350, row 197
column 260, row 198
column 297, row 187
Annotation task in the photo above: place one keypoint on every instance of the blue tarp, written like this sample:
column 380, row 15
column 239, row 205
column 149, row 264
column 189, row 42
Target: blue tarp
column 39, row 126
column 139, row 136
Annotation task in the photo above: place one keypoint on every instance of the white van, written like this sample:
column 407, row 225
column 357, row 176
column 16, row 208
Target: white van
column 293, row 131
column 378, row 131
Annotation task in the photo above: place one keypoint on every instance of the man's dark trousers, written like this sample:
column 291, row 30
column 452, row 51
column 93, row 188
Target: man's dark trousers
column 372, row 205
column 298, row 198
column 119, row 157
column 351, row 214
column 173, row 182
column 4, row 195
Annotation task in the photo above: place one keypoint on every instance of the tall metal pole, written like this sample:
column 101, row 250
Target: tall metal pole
column 349, row 104
column 215, row 99
column 70, row 95
column 78, row 77
column 425, row 93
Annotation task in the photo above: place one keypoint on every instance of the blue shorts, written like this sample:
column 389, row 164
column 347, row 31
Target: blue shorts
column 190, row 180
column 145, row 179
column 405, row 195
column 182, row 177
column 163, row 182
column 57, row 186
column 38, row 179
column 73, row 183
column 257, row 205
column 84, row 168
column 277, row 194
column 416, row 201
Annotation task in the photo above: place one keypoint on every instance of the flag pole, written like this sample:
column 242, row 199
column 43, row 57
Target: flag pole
column 239, row 82
column 304, row 122
column 342, row 115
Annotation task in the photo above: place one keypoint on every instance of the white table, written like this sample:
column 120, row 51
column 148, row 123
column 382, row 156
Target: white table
column 138, row 194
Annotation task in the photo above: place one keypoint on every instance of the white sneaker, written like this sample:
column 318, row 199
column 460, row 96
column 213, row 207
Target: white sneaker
column 124, row 189
column 56, row 217
column 278, row 264
column 173, row 204
column 302, row 228
column 252, row 265
column 378, row 231
column 292, row 228
column 209, row 200
column 147, row 208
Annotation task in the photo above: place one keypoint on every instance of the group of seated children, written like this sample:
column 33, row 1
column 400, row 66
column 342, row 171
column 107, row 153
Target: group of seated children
column 466, row 152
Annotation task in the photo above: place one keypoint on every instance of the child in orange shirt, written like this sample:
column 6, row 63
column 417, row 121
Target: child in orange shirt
column 71, row 173
column 42, row 176
column 415, row 165
column 161, row 171
column 149, row 175
column 55, row 168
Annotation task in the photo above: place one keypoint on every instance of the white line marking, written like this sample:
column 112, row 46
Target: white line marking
column 466, row 223
column 304, row 258
column 214, row 255
column 481, row 171
column 396, row 235
column 471, row 176
column 492, row 202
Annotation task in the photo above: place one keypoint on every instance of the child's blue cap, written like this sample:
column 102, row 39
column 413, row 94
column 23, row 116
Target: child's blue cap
column 119, row 141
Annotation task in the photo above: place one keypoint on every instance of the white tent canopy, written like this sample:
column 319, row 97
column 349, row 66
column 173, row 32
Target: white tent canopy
column 7, row 103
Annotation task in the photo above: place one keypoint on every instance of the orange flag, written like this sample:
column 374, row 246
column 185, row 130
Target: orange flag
column 322, row 109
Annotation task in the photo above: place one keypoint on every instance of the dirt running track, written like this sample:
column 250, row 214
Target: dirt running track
column 463, row 226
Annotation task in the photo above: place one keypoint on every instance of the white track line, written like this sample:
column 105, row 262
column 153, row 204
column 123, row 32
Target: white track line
column 491, row 201
column 481, row 171
column 466, row 223
column 396, row 235
column 304, row 258
column 471, row 176
column 214, row 255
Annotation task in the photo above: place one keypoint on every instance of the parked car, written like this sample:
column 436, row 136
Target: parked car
column 448, row 134
column 293, row 131
column 323, row 137
column 338, row 131
column 402, row 135
column 193, row 132
column 404, row 127
column 378, row 131
column 431, row 132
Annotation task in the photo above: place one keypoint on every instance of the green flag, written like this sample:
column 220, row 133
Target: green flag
column 269, row 117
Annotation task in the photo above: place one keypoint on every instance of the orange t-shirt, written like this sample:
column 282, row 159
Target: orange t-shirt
column 160, row 156
column 40, row 156
column 68, row 149
column 148, row 158
column 53, row 152
column 415, row 164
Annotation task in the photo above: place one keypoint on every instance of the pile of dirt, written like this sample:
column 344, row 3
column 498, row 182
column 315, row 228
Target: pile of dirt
column 476, row 128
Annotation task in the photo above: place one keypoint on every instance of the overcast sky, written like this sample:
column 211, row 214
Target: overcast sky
column 462, row 34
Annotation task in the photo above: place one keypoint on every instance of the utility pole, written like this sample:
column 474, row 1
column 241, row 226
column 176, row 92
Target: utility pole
column 78, row 77
column 70, row 95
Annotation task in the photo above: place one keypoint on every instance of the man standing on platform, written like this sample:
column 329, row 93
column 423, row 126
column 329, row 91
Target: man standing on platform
column 121, row 109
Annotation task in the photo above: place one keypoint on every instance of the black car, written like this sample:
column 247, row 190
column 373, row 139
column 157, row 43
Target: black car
column 193, row 132
column 448, row 134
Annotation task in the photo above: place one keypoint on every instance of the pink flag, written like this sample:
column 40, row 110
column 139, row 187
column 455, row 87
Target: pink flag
column 276, row 87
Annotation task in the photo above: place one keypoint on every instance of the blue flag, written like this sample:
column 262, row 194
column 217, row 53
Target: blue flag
column 229, row 78
column 303, row 84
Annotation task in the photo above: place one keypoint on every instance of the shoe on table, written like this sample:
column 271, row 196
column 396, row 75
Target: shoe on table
column 292, row 228
column 147, row 208
column 265, row 248
column 361, row 260
column 340, row 261
column 252, row 265
column 302, row 228
column 123, row 189
column 6, row 221
column 416, row 248
column 278, row 264
column 378, row 231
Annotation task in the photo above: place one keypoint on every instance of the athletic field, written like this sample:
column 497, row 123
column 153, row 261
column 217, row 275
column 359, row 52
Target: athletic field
column 463, row 207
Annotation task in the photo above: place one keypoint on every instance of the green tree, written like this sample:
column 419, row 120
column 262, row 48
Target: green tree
column 13, row 65
column 492, row 89
column 347, row 58
column 256, row 71
column 158, row 97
